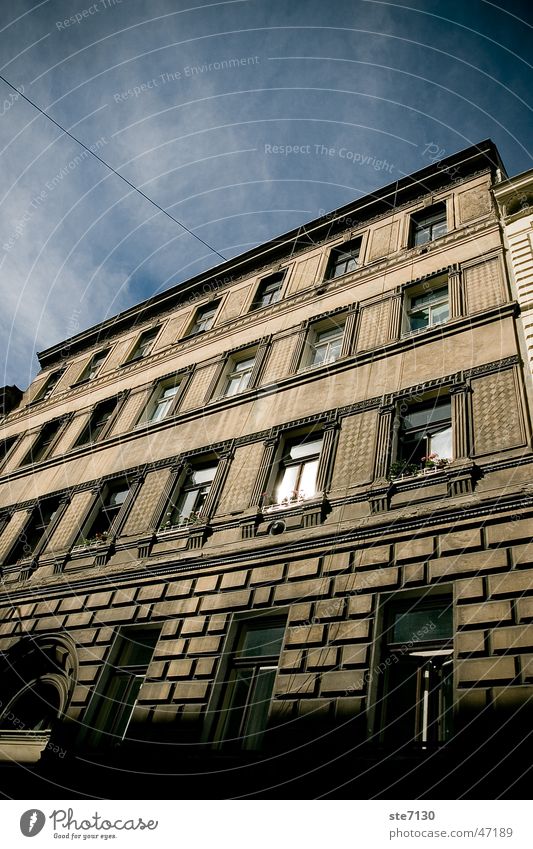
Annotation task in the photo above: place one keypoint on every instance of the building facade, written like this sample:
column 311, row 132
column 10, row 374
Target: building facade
column 269, row 531
column 515, row 201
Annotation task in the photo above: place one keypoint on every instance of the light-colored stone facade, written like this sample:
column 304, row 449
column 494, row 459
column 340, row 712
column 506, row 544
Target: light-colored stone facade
column 330, row 563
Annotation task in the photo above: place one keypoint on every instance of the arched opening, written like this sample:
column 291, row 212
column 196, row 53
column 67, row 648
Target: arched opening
column 34, row 708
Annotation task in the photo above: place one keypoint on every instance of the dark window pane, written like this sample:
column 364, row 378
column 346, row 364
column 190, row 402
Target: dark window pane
column 422, row 624
column 262, row 642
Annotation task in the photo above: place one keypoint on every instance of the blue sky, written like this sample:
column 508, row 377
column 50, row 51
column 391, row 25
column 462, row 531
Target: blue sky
column 243, row 118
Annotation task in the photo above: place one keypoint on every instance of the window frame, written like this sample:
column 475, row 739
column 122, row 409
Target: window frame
column 37, row 528
column 151, row 334
column 311, row 344
column 87, row 535
column 29, row 458
column 183, row 487
column 430, row 461
column 81, row 441
column 211, row 307
column 99, row 357
column 10, row 441
column 224, row 692
column 344, row 253
column 231, row 370
column 49, row 385
column 102, row 725
column 433, row 703
column 285, row 462
column 264, row 283
column 161, row 386
column 434, row 285
column 416, row 226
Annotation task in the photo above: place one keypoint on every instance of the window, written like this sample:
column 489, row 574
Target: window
column 108, row 506
column 238, row 377
column 5, row 447
column 162, row 402
column 203, row 319
column 269, row 291
column 417, row 693
column 97, row 422
column 298, row 470
column 428, row 307
column 49, row 385
column 324, row 344
column 37, row 526
column 189, row 497
column 112, row 707
column 253, row 665
column 428, row 224
column 43, row 444
column 343, row 258
column 144, row 344
column 93, row 366
column 425, row 436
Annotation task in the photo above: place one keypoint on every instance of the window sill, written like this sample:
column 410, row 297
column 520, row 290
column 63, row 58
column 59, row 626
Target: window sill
column 422, row 473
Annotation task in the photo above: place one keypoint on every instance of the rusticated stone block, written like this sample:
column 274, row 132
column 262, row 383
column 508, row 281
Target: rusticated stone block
column 336, row 562
column 303, row 568
column 485, row 613
column 291, row 659
column 177, row 589
column 99, row 600
column 469, row 588
column 356, row 655
column 347, row 707
column 78, row 620
column 352, row 681
column 125, row 596
column 205, row 666
column 169, row 648
column 462, row 564
column 179, row 607
column 206, row 584
column 470, row 642
column 302, row 635
column 226, row 601
column 526, row 666
column 329, row 608
column 356, row 629
column 49, row 623
column 179, row 668
column 234, row 579
column 514, row 529
column 416, row 548
column 513, row 698
column 460, row 540
column 301, row 590
column 47, row 607
column 151, row 593
column 486, row 669
column 522, row 554
column 321, row 658
column 312, row 708
column 217, row 623
column 297, row 684
column 190, row 691
column 513, row 638
column 511, row 583
column 157, row 691
column 73, row 603
column 361, row 582
column 193, row 626
column 204, row 645
column 524, row 608
column 118, row 614
column 262, row 596
column 375, row 555
column 359, row 605
column 267, row 574
column 414, row 573
column 300, row 612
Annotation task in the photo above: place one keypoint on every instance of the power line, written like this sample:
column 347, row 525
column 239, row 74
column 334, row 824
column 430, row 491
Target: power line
column 110, row 168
